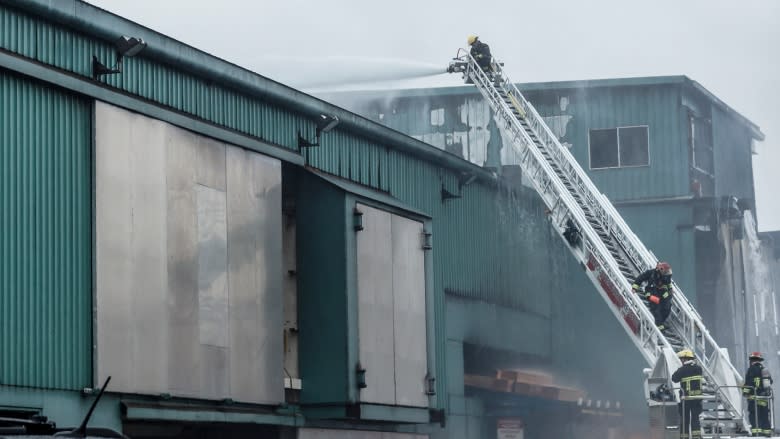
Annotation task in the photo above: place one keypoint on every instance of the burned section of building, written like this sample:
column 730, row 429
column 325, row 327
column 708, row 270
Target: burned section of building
column 246, row 260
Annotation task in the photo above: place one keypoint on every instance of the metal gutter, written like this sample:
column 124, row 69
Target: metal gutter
column 93, row 21
column 755, row 130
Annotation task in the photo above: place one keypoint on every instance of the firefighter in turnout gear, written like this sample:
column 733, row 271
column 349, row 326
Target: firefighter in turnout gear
column 689, row 375
column 758, row 391
column 658, row 291
column 480, row 52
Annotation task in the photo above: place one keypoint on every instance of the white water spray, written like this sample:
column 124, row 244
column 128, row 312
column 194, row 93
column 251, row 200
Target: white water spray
column 335, row 71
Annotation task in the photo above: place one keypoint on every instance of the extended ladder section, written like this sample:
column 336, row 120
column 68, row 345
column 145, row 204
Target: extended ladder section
column 601, row 240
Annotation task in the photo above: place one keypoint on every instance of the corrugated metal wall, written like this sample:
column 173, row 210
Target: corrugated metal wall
column 733, row 158
column 52, row 44
column 45, row 236
column 610, row 107
column 667, row 230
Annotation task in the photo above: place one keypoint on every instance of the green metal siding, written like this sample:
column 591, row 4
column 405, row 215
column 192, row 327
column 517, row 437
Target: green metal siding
column 611, row 107
column 55, row 45
column 657, row 106
column 322, row 283
column 351, row 157
column 45, row 236
column 668, row 232
column 732, row 143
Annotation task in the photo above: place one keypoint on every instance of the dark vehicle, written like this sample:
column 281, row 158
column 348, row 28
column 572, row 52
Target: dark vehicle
column 40, row 427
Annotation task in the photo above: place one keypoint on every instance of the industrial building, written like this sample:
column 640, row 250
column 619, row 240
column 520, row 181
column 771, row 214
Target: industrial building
column 246, row 260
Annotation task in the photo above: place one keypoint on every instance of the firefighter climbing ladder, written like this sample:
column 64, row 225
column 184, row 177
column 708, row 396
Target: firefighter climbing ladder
column 610, row 251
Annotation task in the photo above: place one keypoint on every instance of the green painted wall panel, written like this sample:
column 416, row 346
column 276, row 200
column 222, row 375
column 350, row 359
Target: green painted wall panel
column 322, row 283
column 667, row 230
column 45, row 236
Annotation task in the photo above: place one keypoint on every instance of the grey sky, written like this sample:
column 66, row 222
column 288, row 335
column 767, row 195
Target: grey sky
column 731, row 47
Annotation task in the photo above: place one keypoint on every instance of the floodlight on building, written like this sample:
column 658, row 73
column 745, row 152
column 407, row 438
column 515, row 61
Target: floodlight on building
column 125, row 47
column 324, row 124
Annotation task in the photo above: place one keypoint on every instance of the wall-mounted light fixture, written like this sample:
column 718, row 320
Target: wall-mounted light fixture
column 324, row 123
column 125, row 46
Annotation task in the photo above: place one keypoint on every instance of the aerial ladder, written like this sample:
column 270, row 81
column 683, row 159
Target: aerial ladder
column 613, row 256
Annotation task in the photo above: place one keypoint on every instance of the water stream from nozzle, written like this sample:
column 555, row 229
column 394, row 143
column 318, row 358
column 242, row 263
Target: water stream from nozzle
column 336, row 71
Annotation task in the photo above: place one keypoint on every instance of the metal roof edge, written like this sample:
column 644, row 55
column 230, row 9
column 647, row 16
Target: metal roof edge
column 755, row 130
column 102, row 24
column 604, row 82
column 557, row 85
column 365, row 192
column 529, row 86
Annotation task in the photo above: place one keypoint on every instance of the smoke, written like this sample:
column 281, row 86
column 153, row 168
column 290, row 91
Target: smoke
column 338, row 71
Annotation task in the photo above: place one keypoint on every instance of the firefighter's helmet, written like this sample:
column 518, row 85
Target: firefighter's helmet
column 685, row 354
column 664, row 268
column 470, row 40
column 756, row 356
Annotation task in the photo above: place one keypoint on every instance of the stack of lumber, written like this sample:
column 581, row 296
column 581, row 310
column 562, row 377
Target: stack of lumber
column 524, row 382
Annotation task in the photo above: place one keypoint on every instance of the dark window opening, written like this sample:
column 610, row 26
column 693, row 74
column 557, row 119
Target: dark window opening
column 604, row 149
column 619, row 147
column 633, row 146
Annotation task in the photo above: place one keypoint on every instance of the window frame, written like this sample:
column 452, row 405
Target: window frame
column 617, row 130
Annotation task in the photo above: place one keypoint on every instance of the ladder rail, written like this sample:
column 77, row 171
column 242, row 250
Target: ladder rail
column 685, row 319
column 647, row 337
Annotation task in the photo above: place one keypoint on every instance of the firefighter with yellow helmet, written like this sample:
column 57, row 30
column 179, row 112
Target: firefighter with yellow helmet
column 480, row 52
column 689, row 375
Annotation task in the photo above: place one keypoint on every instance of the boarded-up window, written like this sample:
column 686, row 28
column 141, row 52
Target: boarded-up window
column 619, row 147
